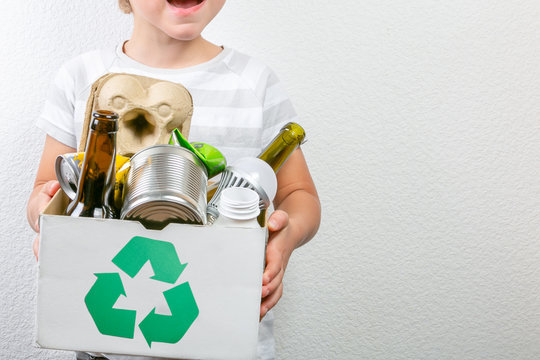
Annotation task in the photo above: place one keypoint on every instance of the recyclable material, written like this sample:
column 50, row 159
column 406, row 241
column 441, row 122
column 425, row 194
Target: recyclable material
column 211, row 157
column 282, row 146
column 239, row 207
column 68, row 170
column 95, row 190
column 85, row 288
column 120, row 180
column 165, row 184
column 147, row 109
column 247, row 172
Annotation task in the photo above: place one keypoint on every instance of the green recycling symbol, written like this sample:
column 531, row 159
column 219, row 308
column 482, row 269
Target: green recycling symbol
column 108, row 288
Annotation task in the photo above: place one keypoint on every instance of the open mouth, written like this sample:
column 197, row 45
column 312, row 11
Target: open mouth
column 184, row 4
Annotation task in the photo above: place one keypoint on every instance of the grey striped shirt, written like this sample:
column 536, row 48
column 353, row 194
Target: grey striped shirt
column 239, row 103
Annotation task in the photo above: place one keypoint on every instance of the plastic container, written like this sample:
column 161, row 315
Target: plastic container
column 238, row 207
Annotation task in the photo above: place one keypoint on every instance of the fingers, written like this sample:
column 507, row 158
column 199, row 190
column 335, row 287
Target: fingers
column 273, row 284
column 46, row 192
column 51, row 187
column 274, row 262
column 278, row 220
column 270, row 301
column 36, row 247
column 272, row 278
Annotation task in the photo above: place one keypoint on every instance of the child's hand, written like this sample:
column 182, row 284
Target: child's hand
column 278, row 252
column 42, row 199
column 295, row 222
column 39, row 202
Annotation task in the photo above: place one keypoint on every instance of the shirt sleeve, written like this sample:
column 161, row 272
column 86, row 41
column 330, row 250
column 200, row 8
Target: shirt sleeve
column 278, row 109
column 57, row 115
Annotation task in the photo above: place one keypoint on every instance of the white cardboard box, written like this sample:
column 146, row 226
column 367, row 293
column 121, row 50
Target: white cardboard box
column 196, row 290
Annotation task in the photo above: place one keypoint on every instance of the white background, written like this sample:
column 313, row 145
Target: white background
column 423, row 119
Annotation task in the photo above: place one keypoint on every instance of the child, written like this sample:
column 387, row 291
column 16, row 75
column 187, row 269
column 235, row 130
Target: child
column 239, row 106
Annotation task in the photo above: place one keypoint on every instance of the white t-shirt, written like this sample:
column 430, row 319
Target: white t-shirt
column 239, row 105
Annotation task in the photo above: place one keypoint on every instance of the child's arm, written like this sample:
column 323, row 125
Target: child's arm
column 45, row 185
column 295, row 222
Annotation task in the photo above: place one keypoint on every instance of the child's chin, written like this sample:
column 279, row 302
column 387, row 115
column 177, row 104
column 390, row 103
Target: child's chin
column 185, row 32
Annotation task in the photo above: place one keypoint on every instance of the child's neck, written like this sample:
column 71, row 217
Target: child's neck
column 165, row 52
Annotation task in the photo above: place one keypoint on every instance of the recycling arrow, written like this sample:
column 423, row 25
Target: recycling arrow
column 161, row 254
column 155, row 327
column 100, row 301
column 171, row 328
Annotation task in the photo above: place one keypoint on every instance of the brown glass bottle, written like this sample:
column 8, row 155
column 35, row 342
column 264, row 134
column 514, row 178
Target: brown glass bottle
column 95, row 193
column 282, row 146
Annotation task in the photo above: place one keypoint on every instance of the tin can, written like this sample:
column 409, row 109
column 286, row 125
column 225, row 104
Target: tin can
column 165, row 184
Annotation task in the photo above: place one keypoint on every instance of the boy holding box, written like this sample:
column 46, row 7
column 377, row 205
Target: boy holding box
column 239, row 105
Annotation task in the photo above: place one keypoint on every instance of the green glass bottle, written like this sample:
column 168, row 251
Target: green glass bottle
column 282, row 146
column 95, row 193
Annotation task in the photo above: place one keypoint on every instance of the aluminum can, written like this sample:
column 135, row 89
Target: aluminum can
column 68, row 170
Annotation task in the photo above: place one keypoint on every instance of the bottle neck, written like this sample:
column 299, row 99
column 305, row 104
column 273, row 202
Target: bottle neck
column 104, row 126
column 99, row 159
column 96, row 181
column 282, row 146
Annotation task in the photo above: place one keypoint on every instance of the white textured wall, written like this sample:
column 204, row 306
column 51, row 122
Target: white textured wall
column 423, row 120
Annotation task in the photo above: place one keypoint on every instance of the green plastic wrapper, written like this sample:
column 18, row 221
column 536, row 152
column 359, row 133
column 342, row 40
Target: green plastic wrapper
column 212, row 158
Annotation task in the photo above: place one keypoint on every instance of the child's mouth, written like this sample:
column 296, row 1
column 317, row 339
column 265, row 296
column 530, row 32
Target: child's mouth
column 184, row 4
